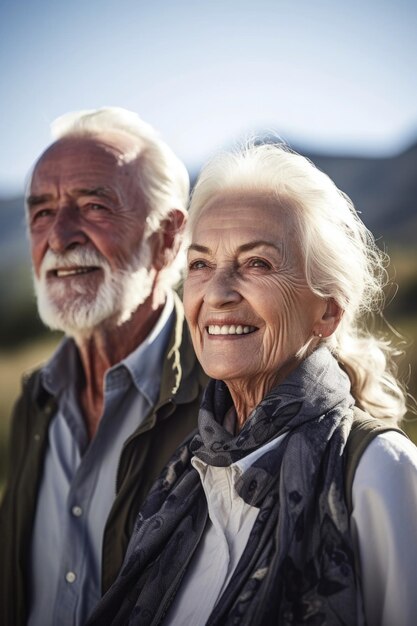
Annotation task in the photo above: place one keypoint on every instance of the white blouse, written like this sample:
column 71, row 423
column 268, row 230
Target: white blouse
column 384, row 529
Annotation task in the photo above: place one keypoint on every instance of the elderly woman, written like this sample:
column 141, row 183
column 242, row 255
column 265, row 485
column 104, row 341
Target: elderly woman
column 250, row 522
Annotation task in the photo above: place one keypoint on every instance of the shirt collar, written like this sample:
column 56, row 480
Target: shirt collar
column 145, row 363
column 238, row 468
column 61, row 367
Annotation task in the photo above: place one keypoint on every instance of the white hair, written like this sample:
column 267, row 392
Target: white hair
column 341, row 259
column 161, row 175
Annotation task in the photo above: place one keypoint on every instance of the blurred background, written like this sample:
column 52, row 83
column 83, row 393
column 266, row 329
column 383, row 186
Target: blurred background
column 336, row 80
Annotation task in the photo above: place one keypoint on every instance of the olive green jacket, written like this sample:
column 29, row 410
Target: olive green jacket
column 143, row 456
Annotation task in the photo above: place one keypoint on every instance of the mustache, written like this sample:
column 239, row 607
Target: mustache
column 81, row 257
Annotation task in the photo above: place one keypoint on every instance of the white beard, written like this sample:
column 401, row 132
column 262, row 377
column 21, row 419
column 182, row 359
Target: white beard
column 76, row 309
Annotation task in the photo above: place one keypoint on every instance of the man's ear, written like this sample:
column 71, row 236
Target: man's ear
column 166, row 241
column 330, row 319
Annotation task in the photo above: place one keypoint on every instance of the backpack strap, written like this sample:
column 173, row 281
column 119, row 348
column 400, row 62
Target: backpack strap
column 364, row 429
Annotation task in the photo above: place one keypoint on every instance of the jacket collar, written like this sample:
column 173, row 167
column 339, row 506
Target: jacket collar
column 182, row 376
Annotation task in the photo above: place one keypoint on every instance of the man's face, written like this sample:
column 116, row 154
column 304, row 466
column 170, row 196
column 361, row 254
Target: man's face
column 87, row 218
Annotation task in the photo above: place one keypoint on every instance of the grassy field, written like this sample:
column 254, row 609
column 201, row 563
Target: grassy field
column 15, row 362
column 401, row 313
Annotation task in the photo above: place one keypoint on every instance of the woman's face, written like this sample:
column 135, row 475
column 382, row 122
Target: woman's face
column 246, row 300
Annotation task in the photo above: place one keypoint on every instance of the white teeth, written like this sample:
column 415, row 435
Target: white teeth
column 230, row 330
column 72, row 272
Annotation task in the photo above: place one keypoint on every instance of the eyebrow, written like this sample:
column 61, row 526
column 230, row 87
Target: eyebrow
column 245, row 247
column 34, row 200
column 95, row 191
column 101, row 192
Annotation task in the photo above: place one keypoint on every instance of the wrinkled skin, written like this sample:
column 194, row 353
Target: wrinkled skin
column 245, row 274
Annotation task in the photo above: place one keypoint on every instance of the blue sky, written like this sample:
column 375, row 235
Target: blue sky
column 328, row 75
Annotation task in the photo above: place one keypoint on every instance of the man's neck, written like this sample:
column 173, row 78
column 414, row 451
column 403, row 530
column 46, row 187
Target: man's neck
column 106, row 346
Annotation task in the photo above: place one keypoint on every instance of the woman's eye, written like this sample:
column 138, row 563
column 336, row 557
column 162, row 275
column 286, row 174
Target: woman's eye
column 259, row 263
column 197, row 265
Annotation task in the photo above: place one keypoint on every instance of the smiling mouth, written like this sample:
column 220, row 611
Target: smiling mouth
column 72, row 271
column 230, row 330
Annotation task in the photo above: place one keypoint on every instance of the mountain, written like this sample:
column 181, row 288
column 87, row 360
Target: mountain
column 13, row 240
column 384, row 190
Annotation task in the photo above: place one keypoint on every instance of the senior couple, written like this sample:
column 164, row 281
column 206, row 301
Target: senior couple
column 155, row 479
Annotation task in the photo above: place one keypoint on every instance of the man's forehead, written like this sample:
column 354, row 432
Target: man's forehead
column 114, row 146
column 87, row 162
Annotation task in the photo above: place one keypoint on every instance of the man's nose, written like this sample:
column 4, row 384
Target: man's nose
column 66, row 231
column 222, row 289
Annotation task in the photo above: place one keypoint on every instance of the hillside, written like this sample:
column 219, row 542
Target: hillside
column 383, row 190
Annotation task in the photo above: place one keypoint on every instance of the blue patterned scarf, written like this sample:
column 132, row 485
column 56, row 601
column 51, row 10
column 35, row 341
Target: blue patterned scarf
column 298, row 564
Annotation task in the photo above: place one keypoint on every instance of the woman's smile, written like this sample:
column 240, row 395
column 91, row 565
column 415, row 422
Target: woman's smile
column 230, row 330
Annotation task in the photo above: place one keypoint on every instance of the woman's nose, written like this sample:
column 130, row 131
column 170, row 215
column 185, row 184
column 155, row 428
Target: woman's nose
column 66, row 231
column 222, row 289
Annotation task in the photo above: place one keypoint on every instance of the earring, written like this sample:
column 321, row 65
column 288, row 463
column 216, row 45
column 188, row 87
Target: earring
column 319, row 335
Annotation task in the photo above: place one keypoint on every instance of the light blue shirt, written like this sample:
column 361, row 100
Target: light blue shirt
column 78, row 483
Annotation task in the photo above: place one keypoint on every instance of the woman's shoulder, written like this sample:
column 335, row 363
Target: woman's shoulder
column 392, row 448
column 384, row 527
column 387, row 467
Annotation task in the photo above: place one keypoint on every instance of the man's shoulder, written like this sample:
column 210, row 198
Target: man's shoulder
column 33, row 394
column 31, row 379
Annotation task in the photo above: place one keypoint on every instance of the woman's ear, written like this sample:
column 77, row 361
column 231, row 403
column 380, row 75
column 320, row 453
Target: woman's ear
column 166, row 241
column 330, row 319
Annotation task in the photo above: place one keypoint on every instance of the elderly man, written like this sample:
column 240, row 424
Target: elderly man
column 94, row 426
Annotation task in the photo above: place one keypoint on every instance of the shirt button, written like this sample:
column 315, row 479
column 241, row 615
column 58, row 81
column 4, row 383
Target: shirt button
column 70, row 577
column 77, row 511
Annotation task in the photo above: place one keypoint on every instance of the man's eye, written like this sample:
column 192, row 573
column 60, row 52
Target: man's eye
column 41, row 214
